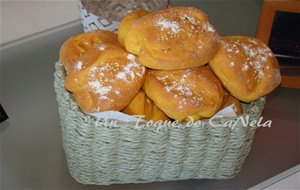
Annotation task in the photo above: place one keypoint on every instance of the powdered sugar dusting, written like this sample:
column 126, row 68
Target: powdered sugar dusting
column 131, row 57
column 98, row 88
column 121, row 75
column 208, row 27
column 101, row 47
column 176, row 85
column 95, row 85
column 245, row 67
column 250, row 52
column 181, row 87
column 253, row 41
column 129, row 68
column 186, row 23
column 105, row 76
column 102, row 77
column 229, row 48
column 104, row 98
column 256, row 54
column 164, row 24
column 200, row 44
column 257, row 66
column 78, row 65
column 104, row 90
column 188, row 18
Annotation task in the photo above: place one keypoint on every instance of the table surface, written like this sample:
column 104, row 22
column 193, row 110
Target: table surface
column 31, row 148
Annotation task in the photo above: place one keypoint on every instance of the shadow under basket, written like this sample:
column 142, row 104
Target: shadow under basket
column 130, row 153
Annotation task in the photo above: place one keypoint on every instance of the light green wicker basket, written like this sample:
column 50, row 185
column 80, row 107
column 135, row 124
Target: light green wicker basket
column 97, row 154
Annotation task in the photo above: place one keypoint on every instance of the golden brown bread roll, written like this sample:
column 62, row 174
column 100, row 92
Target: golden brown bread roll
column 110, row 83
column 173, row 38
column 142, row 105
column 127, row 22
column 194, row 92
column 246, row 67
column 82, row 50
column 229, row 100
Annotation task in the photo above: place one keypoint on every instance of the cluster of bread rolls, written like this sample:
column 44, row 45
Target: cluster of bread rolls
column 169, row 64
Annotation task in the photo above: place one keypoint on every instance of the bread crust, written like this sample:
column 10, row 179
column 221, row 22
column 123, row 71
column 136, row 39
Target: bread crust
column 193, row 92
column 127, row 22
column 246, row 67
column 173, row 38
column 110, row 83
column 82, row 50
column 142, row 105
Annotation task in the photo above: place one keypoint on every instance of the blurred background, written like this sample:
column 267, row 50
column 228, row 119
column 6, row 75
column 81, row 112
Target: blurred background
column 23, row 18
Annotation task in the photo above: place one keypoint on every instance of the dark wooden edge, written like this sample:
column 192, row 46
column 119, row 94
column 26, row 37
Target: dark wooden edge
column 290, row 81
column 264, row 28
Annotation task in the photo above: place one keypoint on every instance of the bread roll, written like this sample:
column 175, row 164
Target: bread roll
column 229, row 100
column 194, row 92
column 173, row 38
column 142, row 105
column 246, row 67
column 82, row 50
column 127, row 22
column 110, row 83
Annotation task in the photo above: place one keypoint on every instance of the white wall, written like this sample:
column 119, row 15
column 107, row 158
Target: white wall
column 22, row 18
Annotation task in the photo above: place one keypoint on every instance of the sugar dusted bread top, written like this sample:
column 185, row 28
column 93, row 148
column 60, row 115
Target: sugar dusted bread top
column 194, row 92
column 82, row 50
column 173, row 38
column 246, row 67
column 110, row 83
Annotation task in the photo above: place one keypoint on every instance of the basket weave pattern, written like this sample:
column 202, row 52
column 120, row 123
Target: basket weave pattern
column 126, row 153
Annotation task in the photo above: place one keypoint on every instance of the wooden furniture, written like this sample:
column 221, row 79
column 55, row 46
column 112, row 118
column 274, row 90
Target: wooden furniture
column 268, row 13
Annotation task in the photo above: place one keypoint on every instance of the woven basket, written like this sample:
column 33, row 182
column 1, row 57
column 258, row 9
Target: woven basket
column 126, row 153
